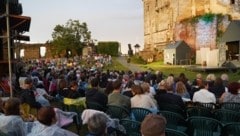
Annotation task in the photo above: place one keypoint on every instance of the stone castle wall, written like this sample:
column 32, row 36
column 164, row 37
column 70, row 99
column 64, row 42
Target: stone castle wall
column 163, row 22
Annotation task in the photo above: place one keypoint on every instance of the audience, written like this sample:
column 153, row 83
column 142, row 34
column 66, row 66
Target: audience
column 116, row 98
column 27, row 94
column 72, row 92
column 97, row 125
column 218, row 88
column 94, row 95
column 153, row 125
column 166, row 95
column 182, row 91
column 127, row 89
column 142, row 100
column 11, row 122
column 233, row 95
column 46, row 124
column 204, row 95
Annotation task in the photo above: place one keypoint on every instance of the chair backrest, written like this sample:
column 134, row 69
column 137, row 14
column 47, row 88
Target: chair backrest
column 3, row 134
column 173, row 108
column 117, row 112
column 203, row 126
column 174, row 120
column 172, row 132
column 139, row 113
column 132, row 127
column 227, row 116
column 231, row 129
column 231, row 106
column 211, row 106
column 199, row 111
column 95, row 106
column 76, row 119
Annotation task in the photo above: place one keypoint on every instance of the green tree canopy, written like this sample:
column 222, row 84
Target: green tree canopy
column 72, row 36
column 109, row 48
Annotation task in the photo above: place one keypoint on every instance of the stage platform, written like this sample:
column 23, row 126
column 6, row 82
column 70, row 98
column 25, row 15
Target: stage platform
column 209, row 69
column 232, row 66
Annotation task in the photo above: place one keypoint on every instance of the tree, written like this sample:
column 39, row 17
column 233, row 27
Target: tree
column 71, row 37
column 109, row 48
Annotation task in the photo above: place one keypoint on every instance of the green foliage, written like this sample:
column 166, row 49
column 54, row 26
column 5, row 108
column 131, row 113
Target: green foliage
column 72, row 36
column 137, row 60
column 109, row 48
column 208, row 17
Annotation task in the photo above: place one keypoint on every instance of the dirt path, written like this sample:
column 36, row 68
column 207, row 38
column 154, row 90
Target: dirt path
column 131, row 66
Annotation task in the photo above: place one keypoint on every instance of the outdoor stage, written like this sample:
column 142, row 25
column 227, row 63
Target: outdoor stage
column 232, row 66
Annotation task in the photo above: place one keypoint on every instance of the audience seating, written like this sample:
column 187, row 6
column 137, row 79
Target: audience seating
column 3, row 134
column 172, row 132
column 139, row 113
column 174, row 120
column 203, row 126
column 226, row 116
column 77, row 119
column 199, row 111
column 231, row 106
column 173, row 108
column 95, row 106
column 231, row 129
column 211, row 106
column 117, row 112
column 132, row 127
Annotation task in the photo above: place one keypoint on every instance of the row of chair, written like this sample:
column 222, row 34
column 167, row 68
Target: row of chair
column 195, row 126
column 175, row 116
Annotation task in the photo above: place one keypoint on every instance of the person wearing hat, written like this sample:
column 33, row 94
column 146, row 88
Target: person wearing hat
column 153, row 125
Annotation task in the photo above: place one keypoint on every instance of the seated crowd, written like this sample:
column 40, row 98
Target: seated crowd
column 42, row 86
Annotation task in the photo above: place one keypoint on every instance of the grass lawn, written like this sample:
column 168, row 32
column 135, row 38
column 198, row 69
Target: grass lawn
column 176, row 70
column 115, row 65
column 171, row 69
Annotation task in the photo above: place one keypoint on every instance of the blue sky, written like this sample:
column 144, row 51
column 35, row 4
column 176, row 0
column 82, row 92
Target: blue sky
column 108, row 20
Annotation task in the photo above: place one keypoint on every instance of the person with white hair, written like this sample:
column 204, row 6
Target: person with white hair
column 225, row 79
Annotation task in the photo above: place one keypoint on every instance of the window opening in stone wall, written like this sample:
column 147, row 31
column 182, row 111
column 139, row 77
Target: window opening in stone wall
column 232, row 1
column 42, row 51
column 22, row 51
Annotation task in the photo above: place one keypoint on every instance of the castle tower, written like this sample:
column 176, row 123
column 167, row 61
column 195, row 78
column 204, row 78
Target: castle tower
column 163, row 21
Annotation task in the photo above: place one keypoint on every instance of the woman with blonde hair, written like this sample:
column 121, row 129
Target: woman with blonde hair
column 182, row 91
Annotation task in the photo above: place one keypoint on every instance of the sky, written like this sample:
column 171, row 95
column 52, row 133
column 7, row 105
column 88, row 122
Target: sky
column 108, row 20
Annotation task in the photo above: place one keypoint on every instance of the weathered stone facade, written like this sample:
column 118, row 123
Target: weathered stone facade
column 31, row 51
column 163, row 23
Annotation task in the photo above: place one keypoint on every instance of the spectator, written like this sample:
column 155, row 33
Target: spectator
column 11, row 122
column 46, row 124
column 72, row 91
column 127, row 91
column 93, row 94
column 27, row 95
column 204, row 95
column 142, row 100
column 153, row 125
column 97, row 125
column 181, row 90
column 233, row 94
column 166, row 95
column 62, row 88
column 218, row 88
column 116, row 98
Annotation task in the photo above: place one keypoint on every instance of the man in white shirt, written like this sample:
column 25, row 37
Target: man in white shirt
column 203, row 95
